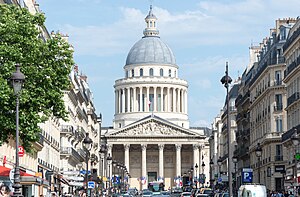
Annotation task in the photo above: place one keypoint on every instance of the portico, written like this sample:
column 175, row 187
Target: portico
column 166, row 152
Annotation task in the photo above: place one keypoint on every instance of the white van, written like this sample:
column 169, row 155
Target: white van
column 252, row 190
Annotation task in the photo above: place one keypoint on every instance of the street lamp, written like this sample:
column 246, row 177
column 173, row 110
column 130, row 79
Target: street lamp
column 196, row 168
column 17, row 80
column 109, row 160
column 295, row 140
column 114, row 163
column 226, row 80
column 87, row 145
column 203, row 174
column 235, row 160
column 212, row 171
column 258, row 153
column 102, row 152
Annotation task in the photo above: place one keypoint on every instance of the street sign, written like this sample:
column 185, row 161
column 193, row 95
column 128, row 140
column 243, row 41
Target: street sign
column 247, row 175
column 21, row 151
column 84, row 172
column 91, row 184
column 11, row 175
column 297, row 156
column 220, row 180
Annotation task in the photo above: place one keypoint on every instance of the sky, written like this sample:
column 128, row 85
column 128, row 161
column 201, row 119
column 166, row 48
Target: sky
column 203, row 36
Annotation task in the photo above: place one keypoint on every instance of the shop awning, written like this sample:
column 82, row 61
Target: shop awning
column 63, row 180
column 4, row 171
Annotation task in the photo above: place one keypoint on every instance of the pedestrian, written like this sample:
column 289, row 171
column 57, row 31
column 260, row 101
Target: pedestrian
column 291, row 194
column 4, row 191
column 286, row 194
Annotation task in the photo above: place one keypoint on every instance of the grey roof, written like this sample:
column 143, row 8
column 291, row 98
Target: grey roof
column 150, row 50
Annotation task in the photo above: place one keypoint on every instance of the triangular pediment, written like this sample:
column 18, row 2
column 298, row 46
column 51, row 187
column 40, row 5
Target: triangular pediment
column 153, row 127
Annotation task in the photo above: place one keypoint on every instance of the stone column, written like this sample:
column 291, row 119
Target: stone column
column 144, row 164
column 178, row 100
column 167, row 100
column 196, row 158
column 178, row 159
column 174, row 100
column 116, row 101
column 155, row 99
column 109, row 152
column 185, row 102
column 161, row 160
column 134, row 100
column 126, row 155
column 123, row 100
column 119, row 101
column 141, row 98
column 148, row 100
column 128, row 99
column 161, row 99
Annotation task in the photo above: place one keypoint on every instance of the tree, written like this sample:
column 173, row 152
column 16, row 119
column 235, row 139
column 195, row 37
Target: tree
column 46, row 64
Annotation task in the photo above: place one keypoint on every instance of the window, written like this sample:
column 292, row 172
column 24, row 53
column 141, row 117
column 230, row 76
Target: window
column 141, row 72
column 278, row 102
column 151, row 72
column 278, row 77
column 169, row 72
column 126, row 74
column 279, row 125
column 161, row 72
column 132, row 73
column 278, row 153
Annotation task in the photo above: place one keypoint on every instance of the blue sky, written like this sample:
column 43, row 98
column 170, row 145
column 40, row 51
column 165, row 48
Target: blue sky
column 202, row 34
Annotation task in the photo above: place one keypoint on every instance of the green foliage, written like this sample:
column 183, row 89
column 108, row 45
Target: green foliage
column 46, row 66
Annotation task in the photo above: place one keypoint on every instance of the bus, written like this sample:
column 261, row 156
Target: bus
column 156, row 186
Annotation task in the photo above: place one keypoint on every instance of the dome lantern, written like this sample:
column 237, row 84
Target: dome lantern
column 150, row 20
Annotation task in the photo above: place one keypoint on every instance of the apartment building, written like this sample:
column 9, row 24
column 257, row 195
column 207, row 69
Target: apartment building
column 290, row 139
column 81, row 120
column 59, row 150
column 242, row 104
column 266, row 109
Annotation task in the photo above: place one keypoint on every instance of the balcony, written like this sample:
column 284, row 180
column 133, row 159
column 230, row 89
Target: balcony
column 81, row 152
column 81, row 132
column 71, row 152
column 278, row 158
column 67, row 129
column 294, row 97
column 278, row 107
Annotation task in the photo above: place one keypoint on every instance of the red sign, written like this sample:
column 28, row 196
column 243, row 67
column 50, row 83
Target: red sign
column 21, row 151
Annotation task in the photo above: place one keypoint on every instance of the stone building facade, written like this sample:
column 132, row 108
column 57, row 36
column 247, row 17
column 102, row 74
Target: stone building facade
column 151, row 133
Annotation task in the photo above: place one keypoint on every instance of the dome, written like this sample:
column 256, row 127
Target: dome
column 150, row 49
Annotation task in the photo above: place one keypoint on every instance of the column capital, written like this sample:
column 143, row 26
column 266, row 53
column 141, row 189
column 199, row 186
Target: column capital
column 144, row 147
column 178, row 147
column 161, row 146
column 109, row 146
column 195, row 146
column 126, row 147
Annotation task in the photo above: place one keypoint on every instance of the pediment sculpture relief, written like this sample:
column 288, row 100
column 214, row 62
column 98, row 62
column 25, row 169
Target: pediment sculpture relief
column 151, row 128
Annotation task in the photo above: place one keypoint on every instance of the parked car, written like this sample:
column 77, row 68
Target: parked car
column 185, row 194
column 202, row 195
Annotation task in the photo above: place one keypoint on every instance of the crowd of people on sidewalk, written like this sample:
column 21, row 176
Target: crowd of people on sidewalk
column 281, row 194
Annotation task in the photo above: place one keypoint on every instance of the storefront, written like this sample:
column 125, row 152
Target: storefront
column 31, row 184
